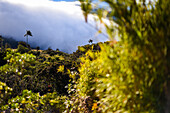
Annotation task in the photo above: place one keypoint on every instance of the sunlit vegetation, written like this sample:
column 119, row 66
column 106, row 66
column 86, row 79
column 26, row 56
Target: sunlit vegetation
column 35, row 80
column 128, row 75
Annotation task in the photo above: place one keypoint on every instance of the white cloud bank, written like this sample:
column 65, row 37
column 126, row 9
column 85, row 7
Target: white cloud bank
column 53, row 24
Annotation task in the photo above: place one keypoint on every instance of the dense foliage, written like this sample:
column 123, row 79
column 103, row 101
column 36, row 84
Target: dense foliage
column 129, row 74
column 38, row 74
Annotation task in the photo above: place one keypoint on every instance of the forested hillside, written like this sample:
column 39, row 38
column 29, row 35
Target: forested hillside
column 40, row 71
column 128, row 75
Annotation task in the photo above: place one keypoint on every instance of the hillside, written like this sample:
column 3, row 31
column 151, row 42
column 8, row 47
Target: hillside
column 41, row 71
column 8, row 42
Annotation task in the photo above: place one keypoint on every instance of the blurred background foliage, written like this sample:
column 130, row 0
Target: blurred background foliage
column 132, row 73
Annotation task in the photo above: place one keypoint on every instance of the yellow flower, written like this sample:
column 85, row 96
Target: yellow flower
column 94, row 106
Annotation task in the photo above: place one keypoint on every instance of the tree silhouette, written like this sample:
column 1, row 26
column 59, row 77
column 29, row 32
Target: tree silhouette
column 86, row 7
column 28, row 33
column 38, row 48
column 90, row 41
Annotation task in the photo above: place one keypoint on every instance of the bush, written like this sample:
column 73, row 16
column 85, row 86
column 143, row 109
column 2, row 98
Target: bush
column 33, row 102
column 2, row 61
column 5, row 92
column 130, row 75
column 22, row 49
column 18, row 71
column 24, row 71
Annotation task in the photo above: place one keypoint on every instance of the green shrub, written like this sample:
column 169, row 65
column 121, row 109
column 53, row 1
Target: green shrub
column 129, row 75
column 22, row 49
column 2, row 61
column 33, row 102
column 18, row 71
column 36, row 73
column 5, row 93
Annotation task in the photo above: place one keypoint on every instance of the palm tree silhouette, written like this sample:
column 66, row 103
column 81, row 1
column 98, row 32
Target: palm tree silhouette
column 28, row 33
column 90, row 41
column 86, row 8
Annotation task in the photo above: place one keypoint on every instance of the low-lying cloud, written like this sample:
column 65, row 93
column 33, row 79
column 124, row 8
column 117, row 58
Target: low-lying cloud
column 53, row 24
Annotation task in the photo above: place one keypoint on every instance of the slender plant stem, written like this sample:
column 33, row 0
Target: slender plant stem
column 27, row 39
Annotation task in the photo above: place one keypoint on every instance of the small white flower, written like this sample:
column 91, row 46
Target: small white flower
column 71, row 102
column 16, row 70
column 19, row 60
column 107, row 75
column 72, row 72
column 17, row 109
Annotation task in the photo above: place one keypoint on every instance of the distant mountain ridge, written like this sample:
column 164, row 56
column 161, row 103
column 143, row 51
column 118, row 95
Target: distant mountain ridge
column 10, row 41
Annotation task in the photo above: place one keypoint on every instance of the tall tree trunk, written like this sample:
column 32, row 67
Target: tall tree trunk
column 27, row 39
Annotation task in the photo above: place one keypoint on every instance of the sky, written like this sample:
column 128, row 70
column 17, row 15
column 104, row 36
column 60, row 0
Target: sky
column 53, row 24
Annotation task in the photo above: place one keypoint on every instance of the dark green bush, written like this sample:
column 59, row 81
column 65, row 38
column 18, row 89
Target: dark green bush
column 22, row 49
column 33, row 102
column 2, row 60
column 5, row 94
